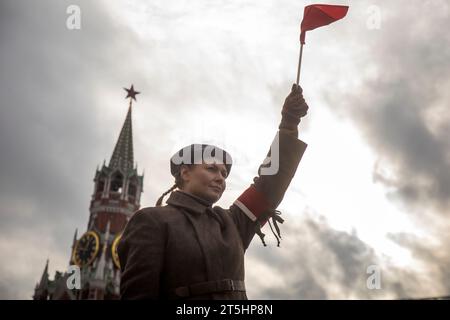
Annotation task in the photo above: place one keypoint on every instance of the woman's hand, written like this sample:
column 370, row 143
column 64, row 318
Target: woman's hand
column 294, row 108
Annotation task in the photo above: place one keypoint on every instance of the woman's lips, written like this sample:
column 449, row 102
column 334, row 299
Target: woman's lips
column 218, row 189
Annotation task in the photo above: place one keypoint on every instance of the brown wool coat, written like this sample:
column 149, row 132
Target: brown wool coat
column 187, row 242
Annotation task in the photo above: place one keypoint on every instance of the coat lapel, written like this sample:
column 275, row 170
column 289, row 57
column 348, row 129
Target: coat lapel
column 194, row 209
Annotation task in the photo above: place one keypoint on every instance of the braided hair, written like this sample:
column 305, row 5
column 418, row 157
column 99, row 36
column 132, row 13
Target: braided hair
column 178, row 184
column 160, row 200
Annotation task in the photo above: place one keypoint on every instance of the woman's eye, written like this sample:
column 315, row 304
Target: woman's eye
column 213, row 168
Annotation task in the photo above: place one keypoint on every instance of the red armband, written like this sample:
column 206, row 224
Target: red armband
column 253, row 203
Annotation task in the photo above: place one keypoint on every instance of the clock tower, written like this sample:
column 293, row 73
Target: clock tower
column 116, row 196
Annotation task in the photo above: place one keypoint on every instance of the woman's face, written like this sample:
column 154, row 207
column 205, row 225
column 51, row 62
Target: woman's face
column 206, row 181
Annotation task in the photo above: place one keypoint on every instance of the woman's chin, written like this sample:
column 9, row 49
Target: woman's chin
column 213, row 196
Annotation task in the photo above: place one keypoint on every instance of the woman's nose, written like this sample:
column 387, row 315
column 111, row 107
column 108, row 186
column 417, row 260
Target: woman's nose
column 220, row 178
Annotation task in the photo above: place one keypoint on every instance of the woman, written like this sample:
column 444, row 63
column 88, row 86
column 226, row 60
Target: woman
column 189, row 249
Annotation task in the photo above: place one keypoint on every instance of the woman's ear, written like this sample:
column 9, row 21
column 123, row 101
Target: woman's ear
column 185, row 174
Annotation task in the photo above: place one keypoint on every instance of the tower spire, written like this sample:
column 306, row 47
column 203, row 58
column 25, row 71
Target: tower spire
column 42, row 288
column 44, row 278
column 122, row 157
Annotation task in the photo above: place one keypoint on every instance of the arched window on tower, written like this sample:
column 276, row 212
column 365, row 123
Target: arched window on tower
column 116, row 185
column 100, row 186
column 132, row 188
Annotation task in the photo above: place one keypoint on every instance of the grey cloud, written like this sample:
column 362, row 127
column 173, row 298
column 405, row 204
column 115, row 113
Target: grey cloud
column 49, row 132
column 402, row 114
column 434, row 256
column 402, row 111
column 317, row 262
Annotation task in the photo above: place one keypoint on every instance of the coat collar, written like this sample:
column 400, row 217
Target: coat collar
column 185, row 200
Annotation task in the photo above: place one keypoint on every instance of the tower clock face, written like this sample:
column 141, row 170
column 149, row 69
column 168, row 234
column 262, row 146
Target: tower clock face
column 115, row 255
column 86, row 249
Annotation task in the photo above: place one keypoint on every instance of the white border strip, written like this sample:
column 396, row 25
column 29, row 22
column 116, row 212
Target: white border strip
column 245, row 210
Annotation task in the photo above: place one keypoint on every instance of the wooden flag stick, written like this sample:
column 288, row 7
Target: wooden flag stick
column 299, row 63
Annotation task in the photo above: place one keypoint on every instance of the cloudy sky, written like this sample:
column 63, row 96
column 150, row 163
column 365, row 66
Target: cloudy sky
column 373, row 188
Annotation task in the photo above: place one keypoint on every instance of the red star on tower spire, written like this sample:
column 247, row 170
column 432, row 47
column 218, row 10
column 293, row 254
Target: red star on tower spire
column 131, row 93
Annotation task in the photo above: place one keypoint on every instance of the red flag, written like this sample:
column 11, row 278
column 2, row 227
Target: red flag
column 318, row 15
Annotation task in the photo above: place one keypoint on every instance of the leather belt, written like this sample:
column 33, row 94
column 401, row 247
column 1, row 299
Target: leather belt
column 209, row 287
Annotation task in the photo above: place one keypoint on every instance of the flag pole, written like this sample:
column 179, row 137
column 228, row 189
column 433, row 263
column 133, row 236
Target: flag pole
column 299, row 63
